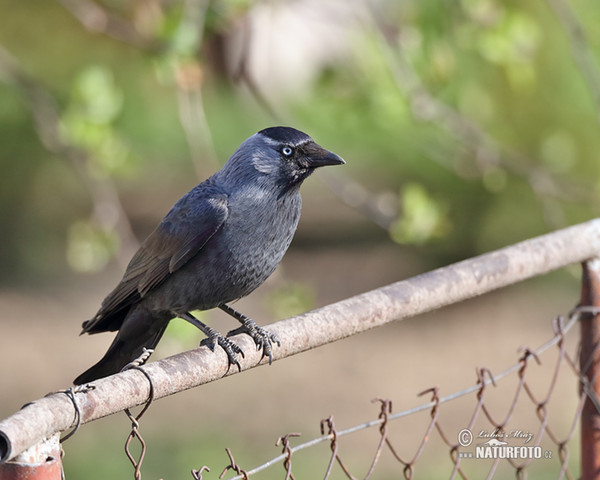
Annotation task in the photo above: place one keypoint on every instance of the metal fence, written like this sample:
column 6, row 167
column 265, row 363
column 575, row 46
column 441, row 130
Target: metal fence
column 499, row 439
column 29, row 438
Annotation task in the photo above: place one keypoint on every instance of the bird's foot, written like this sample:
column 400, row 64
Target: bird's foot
column 231, row 349
column 262, row 338
column 213, row 337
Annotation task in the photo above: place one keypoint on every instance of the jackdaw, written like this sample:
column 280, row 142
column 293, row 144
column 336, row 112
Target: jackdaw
column 217, row 244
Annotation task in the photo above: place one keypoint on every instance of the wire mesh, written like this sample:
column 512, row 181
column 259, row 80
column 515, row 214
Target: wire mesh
column 488, row 445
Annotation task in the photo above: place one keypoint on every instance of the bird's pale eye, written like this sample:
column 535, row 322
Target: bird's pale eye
column 287, row 151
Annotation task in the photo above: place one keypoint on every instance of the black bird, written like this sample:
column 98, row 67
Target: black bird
column 218, row 243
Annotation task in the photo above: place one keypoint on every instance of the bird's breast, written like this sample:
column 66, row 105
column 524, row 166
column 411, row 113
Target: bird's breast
column 240, row 256
column 259, row 235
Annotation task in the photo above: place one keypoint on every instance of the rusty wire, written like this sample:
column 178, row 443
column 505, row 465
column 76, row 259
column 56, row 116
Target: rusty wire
column 234, row 466
column 135, row 420
column 386, row 408
column 197, row 474
column 70, row 394
column 286, row 450
column 333, row 434
column 482, row 393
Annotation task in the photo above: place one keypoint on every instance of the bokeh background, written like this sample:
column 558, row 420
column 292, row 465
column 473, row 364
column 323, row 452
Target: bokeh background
column 466, row 126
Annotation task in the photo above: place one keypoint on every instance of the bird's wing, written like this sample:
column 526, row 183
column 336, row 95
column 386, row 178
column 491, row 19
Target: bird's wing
column 180, row 236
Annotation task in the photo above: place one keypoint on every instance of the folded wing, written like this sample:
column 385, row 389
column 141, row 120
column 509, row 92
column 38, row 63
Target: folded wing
column 180, row 236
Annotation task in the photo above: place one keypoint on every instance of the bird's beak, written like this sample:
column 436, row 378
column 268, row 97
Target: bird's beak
column 317, row 156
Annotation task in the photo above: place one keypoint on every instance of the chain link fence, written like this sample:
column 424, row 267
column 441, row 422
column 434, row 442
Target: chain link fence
column 490, row 445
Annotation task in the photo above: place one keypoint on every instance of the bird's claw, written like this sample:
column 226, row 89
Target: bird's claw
column 262, row 338
column 231, row 348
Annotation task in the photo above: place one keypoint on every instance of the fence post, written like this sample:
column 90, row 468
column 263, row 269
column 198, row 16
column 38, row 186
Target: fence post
column 39, row 462
column 589, row 362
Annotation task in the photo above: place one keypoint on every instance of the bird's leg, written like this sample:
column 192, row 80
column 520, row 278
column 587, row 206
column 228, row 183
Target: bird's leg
column 261, row 337
column 214, row 337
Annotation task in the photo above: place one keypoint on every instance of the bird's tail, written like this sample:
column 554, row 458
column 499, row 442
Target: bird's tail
column 139, row 330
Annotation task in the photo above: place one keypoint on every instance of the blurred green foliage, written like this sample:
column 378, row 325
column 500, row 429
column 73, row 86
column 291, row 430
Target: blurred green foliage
column 423, row 219
column 292, row 298
column 88, row 121
column 89, row 248
column 476, row 115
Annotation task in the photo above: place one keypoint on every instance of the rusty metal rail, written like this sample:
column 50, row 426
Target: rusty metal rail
column 589, row 365
column 58, row 412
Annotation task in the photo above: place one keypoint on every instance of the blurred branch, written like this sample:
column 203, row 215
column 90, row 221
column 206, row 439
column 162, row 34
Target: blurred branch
column 580, row 48
column 195, row 126
column 189, row 77
column 107, row 208
column 97, row 19
column 188, row 72
column 488, row 152
column 380, row 208
column 242, row 74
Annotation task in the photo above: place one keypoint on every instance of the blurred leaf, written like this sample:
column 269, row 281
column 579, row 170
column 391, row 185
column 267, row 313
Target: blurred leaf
column 484, row 12
column 88, row 122
column 97, row 96
column 516, row 38
column 181, row 335
column 495, row 179
column 185, row 40
column 559, row 151
column 291, row 299
column 476, row 102
column 513, row 43
column 423, row 217
column 406, row 100
column 89, row 247
column 443, row 61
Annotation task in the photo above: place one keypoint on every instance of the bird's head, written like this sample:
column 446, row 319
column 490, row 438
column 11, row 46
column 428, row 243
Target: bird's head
column 282, row 156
